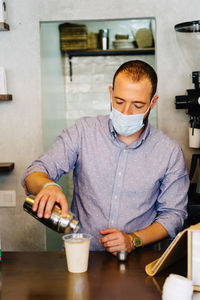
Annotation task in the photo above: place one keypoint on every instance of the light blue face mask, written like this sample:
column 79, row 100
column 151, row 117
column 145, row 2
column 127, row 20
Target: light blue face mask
column 127, row 124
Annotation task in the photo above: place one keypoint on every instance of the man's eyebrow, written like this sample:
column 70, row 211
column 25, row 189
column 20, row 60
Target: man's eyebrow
column 119, row 98
column 134, row 101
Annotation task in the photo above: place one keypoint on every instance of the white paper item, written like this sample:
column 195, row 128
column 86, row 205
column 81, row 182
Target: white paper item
column 196, row 257
column 177, row 287
column 3, row 11
column 3, row 84
column 194, row 140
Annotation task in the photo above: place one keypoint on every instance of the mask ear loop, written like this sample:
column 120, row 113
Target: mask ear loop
column 148, row 112
column 110, row 104
column 149, row 108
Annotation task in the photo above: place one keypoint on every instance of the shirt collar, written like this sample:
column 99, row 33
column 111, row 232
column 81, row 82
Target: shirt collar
column 111, row 128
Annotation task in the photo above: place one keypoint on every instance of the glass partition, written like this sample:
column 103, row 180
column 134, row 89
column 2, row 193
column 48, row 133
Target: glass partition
column 67, row 97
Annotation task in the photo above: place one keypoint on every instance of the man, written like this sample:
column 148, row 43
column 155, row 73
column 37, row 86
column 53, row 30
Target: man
column 130, row 180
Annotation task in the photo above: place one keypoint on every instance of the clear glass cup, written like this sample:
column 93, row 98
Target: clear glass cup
column 77, row 246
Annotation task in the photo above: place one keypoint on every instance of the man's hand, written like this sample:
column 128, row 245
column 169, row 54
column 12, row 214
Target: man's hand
column 46, row 199
column 115, row 240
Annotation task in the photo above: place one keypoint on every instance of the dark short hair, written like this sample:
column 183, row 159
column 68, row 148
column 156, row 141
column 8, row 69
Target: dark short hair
column 138, row 70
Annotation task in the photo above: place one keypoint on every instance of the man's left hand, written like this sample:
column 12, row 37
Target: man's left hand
column 115, row 240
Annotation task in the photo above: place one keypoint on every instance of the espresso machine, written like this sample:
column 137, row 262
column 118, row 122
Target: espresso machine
column 188, row 38
column 191, row 102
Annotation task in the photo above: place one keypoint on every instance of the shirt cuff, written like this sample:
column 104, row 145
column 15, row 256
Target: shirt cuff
column 172, row 225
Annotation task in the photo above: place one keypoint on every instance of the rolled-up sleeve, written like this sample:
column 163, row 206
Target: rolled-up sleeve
column 173, row 198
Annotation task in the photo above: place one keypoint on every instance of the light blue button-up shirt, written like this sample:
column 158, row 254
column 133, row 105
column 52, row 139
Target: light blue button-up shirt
column 128, row 188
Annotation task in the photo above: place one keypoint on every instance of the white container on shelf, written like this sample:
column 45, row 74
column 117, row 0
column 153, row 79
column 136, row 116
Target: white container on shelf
column 3, row 84
column 3, row 12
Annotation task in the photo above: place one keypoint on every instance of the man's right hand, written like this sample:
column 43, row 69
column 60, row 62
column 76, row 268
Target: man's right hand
column 46, row 199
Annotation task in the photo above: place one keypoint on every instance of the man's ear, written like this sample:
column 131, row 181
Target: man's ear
column 111, row 94
column 154, row 101
column 110, row 91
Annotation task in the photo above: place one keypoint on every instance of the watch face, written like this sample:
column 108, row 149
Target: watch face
column 137, row 242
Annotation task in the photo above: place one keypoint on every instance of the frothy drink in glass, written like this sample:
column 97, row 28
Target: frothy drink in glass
column 77, row 247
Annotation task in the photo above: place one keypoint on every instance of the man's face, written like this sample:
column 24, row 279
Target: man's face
column 130, row 97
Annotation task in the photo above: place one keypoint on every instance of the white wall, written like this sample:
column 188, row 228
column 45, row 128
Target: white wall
column 20, row 121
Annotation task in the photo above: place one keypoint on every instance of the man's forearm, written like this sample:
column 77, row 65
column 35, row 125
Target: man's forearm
column 152, row 233
column 35, row 182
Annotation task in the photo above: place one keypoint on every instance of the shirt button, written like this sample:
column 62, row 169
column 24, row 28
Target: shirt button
column 112, row 222
column 120, row 173
column 115, row 197
column 124, row 150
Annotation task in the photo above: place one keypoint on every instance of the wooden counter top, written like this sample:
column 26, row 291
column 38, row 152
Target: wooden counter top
column 44, row 276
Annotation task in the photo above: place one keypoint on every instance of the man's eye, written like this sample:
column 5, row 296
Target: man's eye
column 119, row 102
column 138, row 106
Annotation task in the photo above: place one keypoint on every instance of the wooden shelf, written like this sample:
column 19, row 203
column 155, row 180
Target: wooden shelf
column 5, row 97
column 6, row 167
column 109, row 52
column 4, row 27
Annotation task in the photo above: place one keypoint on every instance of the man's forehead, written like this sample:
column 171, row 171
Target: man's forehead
column 125, row 87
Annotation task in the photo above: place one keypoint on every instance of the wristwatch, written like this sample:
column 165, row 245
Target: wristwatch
column 137, row 242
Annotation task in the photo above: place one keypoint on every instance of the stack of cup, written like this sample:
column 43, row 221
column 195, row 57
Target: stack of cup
column 194, row 138
column 177, row 287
